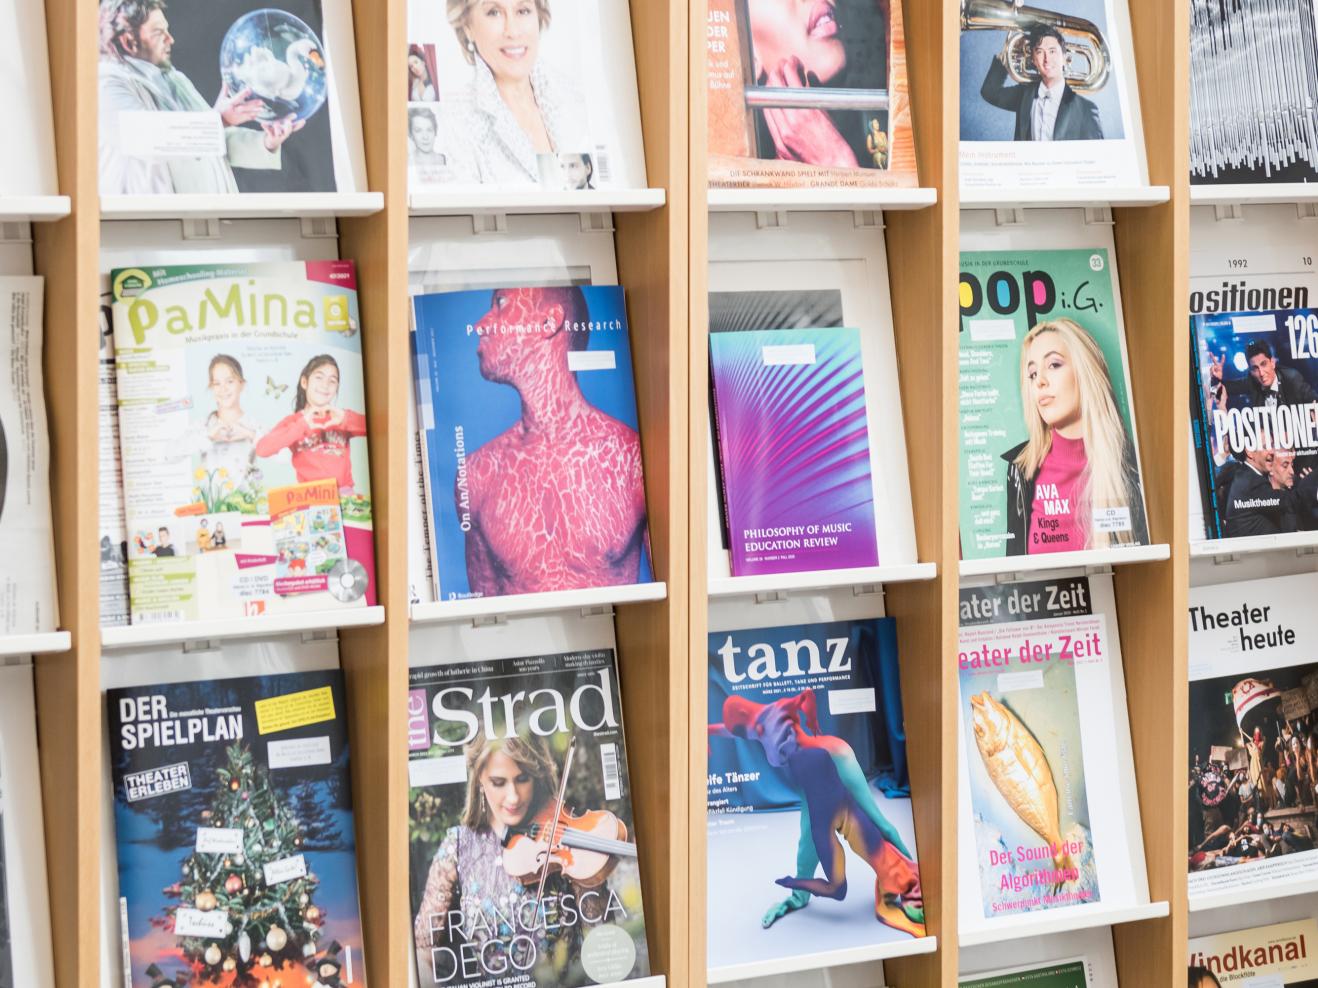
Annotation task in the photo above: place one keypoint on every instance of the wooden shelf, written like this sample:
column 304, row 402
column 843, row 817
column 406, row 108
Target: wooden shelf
column 478, row 202
column 266, row 626
column 1048, row 923
column 33, row 209
column 1047, row 562
column 1089, row 198
column 476, row 608
column 823, row 960
column 813, row 200
column 42, row 644
column 246, row 205
column 827, row 579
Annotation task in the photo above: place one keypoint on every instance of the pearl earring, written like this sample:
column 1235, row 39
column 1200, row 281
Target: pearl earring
column 471, row 46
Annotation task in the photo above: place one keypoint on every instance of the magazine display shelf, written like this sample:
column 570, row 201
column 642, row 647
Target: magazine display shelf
column 44, row 644
column 1244, row 195
column 33, row 209
column 816, row 961
column 494, row 608
column 192, row 632
column 779, row 200
column 820, row 580
column 1094, row 197
column 1093, row 944
column 247, row 205
column 1258, row 892
column 479, row 202
column 1226, row 550
column 1089, row 559
column 1041, row 925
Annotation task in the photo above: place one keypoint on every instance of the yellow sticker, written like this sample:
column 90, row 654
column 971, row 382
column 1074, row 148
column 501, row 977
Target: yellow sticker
column 284, row 713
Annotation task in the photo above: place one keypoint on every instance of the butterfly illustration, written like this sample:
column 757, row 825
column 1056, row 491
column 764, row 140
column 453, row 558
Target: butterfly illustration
column 272, row 389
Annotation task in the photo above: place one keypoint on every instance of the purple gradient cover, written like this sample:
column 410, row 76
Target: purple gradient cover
column 794, row 449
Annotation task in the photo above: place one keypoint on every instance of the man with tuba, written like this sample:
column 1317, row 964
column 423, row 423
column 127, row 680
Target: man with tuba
column 1046, row 109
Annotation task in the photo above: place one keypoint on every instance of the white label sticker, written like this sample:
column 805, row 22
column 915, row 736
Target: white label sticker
column 589, row 360
column 423, row 772
column 1010, row 682
column 1112, row 519
column 609, row 768
column 219, row 840
column 190, row 922
column 851, row 701
column 298, row 752
column 175, row 134
column 1252, row 325
column 285, row 870
column 992, row 330
column 788, row 354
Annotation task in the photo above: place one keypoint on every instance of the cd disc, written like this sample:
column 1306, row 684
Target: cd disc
column 347, row 580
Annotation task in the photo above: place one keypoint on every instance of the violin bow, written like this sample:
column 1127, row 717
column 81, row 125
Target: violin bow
column 553, row 823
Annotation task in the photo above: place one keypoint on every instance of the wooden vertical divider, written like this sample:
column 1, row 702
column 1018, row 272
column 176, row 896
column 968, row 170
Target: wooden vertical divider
column 375, row 659
column 1153, row 255
column 68, row 684
column 652, row 639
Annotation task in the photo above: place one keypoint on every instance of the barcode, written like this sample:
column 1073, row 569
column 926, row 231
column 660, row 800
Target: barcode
column 603, row 173
column 612, row 779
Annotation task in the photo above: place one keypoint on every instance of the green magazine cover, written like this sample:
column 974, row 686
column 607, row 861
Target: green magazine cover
column 1049, row 459
column 1055, row 974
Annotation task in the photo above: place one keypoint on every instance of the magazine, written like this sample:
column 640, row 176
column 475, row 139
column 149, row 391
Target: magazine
column 1249, row 110
column 519, row 391
column 1049, row 812
column 1049, row 457
column 1253, row 734
column 115, row 606
column 1076, row 973
column 206, row 99
column 28, row 166
column 6, row 933
column 243, row 439
column 1276, row 956
column 573, row 61
column 794, row 449
column 522, row 840
column 234, row 824
column 853, row 125
column 1253, row 414
column 28, row 601
column 808, row 793
column 1048, row 96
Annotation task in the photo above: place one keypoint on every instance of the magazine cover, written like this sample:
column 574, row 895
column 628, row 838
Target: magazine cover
column 1049, row 458
column 809, row 795
column 6, row 945
column 1277, row 956
column 1253, row 734
column 28, row 166
column 854, row 126
column 1249, row 126
column 234, row 824
column 1055, row 974
column 794, row 449
column 533, row 94
column 522, row 838
column 28, row 602
column 1046, row 96
column 243, row 435
column 207, row 98
column 1253, row 415
column 115, row 606
column 519, row 391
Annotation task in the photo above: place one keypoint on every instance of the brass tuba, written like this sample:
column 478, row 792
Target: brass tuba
column 1088, row 61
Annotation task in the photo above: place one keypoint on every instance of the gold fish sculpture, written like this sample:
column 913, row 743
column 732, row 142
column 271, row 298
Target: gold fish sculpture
column 1018, row 767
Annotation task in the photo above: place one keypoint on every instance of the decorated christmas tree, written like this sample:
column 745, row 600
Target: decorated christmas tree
column 265, row 892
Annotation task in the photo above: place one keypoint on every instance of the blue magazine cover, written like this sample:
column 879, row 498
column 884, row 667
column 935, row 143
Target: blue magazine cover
column 234, row 825
column 808, row 793
column 531, row 441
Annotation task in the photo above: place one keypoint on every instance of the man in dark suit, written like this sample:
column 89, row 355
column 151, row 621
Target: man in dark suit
column 1267, row 385
column 1253, row 506
column 1046, row 110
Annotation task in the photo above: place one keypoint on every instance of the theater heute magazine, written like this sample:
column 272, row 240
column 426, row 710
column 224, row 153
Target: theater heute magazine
column 572, row 61
column 1276, row 956
column 28, row 603
column 794, row 449
column 519, row 391
column 217, row 98
column 1049, row 457
column 1075, row 973
column 811, row 841
column 1048, row 96
column 234, row 825
column 243, row 436
column 1250, row 111
column 1045, row 768
column 816, row 98
column 1253, row 734
column 522, row 840
column 1255, row 420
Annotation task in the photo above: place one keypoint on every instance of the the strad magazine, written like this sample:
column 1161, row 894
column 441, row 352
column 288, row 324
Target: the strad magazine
column 811, row 842
column 1254, row 416
column 519, row 391
column 522, row 840
column 810, row 98
column 1047, row 781
column 234, row 824
column 27, row 592
column 203, row 98
column 1076, row 973
column 1049, row 458
column 473, row 67
column 794, row 449
column 1047, row 96
column 1277, row 956
column 1253, row 734
column 243, row 434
